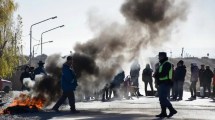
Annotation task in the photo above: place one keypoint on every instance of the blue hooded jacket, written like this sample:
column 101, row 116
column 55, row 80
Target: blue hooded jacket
column 68, row 79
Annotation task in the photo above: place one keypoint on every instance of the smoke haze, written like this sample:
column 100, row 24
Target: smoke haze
column 148, row 23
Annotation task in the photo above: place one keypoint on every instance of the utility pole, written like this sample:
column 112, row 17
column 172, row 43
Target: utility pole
column 15, row 44
column 171, row 53
column 22, row 54
column 182, row 52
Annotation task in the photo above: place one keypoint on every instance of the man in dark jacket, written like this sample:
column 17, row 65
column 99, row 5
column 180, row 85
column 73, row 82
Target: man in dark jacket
column 134, row 73
column 156, row 79
column 179, row 77
column 201, row 75
column 115, row 84
column 25, row 74
column 193, row 79
column 164, row 76
column 147, row 78
column 208, row 75
column 40, row 69
column 68, row 85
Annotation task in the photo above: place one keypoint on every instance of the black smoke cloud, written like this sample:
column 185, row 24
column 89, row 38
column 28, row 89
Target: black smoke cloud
column 49, row 86
column 148, row 23
column 145, row 11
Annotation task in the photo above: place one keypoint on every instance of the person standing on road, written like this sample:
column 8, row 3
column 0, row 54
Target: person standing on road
column 156, row 79
column 25, row 74
column 201, row 75
column 193, row 79
column 164, row 76
column 214, row 84
column 68, row 85
column 208, row 74
column 147, row 78
column 134, row 73
column 179, row 78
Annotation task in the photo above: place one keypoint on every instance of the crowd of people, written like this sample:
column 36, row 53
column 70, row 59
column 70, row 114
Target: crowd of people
column 30, row 72
column 168, row 80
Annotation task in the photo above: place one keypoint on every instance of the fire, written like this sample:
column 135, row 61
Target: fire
column 25, row 101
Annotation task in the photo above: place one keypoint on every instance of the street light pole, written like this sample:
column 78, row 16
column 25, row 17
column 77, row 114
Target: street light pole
column 40, row 44
column 31, row 34
column 46, row 32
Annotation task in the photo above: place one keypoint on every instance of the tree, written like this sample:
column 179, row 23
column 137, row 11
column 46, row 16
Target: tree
column 10, row 37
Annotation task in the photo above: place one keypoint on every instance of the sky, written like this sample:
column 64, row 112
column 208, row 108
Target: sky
column 195, row 34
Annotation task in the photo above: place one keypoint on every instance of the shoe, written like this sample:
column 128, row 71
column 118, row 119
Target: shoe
column 172, row 113
column 74, row 111
column 194, row 97
column 162, row 115
column 172, row 99
column 179, row 99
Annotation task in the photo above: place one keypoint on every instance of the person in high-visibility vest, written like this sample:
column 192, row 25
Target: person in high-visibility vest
column 164, row 76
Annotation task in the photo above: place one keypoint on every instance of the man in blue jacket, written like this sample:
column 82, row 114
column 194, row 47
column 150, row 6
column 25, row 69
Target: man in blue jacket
column 68, row 85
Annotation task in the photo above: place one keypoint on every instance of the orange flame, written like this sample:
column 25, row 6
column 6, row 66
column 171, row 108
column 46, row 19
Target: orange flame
column 26, row 100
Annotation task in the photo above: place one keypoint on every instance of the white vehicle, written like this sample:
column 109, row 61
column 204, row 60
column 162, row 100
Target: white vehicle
column 5, row 85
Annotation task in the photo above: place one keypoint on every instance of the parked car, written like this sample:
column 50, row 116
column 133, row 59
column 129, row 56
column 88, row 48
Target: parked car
column 5, row 85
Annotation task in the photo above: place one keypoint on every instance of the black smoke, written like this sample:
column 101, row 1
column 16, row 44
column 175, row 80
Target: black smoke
column 148, row 23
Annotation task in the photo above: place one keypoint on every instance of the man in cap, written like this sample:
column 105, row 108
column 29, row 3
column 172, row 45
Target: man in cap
column 164, row 77
column 40, row 69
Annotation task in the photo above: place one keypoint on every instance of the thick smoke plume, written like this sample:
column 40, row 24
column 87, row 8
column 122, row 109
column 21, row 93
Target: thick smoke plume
column 49, row 86
column 148, row 23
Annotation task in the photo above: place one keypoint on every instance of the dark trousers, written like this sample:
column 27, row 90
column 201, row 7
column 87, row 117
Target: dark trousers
column 70, row 95
column 163, row 91
column 193, row 89
column 151, row 86
column 208, row 87
column 178, row 88
column 105, row 94
column 114, row 88
column 213, row 91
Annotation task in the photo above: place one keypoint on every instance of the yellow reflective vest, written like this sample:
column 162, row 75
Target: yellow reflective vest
column 170, row 74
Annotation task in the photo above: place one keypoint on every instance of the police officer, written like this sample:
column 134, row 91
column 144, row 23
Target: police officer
column 164, row 76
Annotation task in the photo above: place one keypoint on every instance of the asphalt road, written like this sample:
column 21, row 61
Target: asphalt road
column 144, row 108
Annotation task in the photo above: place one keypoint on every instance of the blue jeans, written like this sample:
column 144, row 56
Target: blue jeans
column 163, row 91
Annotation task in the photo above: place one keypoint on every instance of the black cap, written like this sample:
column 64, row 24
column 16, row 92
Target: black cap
column 41, row 62
column 162, row 54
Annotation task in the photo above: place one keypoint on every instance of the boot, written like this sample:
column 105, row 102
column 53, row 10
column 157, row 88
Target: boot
column 163, row 113
column 172, row 111
column 138, row 93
